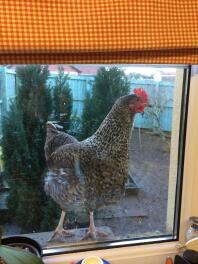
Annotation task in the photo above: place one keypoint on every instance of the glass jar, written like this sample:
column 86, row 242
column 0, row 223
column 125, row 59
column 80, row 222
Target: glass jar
column 192, row 230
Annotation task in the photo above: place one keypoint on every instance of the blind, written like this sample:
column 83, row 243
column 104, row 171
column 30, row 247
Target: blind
column 99, row 31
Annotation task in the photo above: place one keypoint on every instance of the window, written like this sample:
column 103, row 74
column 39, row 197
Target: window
column 76, row 99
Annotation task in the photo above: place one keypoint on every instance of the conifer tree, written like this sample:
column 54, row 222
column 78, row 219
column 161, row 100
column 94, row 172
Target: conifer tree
column 110, row 84
column 62, row 99
column 24, row 130
column 51, row 215
column 15, row 154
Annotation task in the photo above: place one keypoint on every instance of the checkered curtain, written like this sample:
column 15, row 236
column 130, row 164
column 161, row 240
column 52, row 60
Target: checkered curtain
column 99, row 31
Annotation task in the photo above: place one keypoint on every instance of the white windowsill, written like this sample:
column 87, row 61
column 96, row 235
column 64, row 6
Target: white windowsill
column 155, row 253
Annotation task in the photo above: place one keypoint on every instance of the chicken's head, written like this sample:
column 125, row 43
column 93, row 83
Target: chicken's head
column 142, row 101
column 132, row 103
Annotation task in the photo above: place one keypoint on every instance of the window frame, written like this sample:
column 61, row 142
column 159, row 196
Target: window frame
column 155, row 249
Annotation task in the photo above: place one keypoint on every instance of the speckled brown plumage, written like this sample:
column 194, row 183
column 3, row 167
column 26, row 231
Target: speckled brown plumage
column 101, row 161
column 64, row 185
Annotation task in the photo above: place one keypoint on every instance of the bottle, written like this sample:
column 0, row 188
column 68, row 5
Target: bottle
column 169, row 260
column 192, row 230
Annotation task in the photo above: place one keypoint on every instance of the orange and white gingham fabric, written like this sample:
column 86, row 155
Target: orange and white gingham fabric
column 99, row 31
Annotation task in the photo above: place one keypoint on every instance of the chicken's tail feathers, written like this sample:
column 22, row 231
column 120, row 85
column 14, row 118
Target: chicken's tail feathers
column 53, row 125
column 52, row 129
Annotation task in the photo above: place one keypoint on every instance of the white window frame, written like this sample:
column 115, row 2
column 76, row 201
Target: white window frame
column 157, row 253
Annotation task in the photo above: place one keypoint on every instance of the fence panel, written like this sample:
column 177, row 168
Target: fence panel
column 79, row 85
column 10, row 84
column 163, row 93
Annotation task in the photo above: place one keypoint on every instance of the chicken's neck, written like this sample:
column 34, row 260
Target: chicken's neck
column 113, row 133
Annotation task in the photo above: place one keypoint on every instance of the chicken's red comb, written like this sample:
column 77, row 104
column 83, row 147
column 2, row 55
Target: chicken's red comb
column 142, row 93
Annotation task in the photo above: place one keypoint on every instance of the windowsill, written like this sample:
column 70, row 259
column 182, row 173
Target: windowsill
column 154, row 253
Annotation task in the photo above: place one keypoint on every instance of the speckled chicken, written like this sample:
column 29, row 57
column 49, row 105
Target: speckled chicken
column 101, row 161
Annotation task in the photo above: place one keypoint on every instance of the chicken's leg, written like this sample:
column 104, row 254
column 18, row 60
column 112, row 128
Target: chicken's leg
column 92, row 232
column 60, row 233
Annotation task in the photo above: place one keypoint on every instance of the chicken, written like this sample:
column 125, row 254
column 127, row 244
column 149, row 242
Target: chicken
column 101, row 161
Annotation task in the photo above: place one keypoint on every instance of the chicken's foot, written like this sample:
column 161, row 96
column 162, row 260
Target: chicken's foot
column 60, row 233
column 92, row 232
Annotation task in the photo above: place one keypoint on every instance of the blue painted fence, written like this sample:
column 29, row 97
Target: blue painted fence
column 80, row 84
column 160, row 92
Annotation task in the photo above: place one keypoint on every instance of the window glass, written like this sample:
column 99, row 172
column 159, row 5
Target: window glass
column 91, row 154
